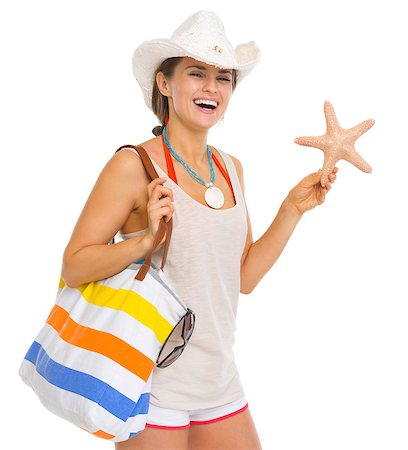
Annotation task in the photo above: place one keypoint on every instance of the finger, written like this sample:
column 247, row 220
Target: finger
column 158, row 212
column 160, row 191
column 157, row 201
column 324, row 181
column 324, row 191
column 162, row 208
column 164, row 191
column 171, row 194
column 312, row 179
column 164, row 202
column 152, row 185
column 166, row 212
column 322, row 196
column 334, row 171
column 169, row 214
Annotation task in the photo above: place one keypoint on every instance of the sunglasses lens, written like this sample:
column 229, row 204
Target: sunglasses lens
column 189, row 326
column 176, row 353
column 175, row 343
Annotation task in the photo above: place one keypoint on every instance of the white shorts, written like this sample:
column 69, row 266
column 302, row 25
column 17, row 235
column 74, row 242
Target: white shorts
column 177, row 418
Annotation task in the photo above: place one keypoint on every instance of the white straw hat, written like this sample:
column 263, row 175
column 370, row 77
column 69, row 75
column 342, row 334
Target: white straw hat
column 202, row 37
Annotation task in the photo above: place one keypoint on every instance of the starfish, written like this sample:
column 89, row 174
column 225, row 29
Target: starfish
column 337, row 143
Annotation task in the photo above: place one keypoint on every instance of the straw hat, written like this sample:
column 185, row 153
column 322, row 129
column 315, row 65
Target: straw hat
column 202, row 37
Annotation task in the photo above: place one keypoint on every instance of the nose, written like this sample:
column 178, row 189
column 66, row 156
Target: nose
column 210, row 85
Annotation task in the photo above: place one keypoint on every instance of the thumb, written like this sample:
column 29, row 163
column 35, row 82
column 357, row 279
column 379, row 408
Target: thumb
column 314, row 177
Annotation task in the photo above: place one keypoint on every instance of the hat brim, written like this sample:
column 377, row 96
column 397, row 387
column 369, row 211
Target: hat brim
column 149, row 55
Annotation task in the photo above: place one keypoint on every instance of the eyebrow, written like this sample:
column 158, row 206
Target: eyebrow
column 205, row 68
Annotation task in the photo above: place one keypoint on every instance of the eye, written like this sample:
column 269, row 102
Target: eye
column 196, row 74
column 225, row 79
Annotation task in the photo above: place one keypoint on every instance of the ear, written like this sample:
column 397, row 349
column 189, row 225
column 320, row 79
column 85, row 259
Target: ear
column 163, row 84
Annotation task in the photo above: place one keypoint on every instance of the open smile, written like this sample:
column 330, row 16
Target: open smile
column 207, row 106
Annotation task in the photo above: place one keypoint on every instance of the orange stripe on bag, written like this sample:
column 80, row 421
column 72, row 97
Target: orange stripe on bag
column 100, row 342
column 103, row 434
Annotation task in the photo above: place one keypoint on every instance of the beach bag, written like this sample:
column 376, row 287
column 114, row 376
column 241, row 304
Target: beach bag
column 92, row 362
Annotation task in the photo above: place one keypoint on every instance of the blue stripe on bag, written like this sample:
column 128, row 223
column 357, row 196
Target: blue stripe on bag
column 86, row 385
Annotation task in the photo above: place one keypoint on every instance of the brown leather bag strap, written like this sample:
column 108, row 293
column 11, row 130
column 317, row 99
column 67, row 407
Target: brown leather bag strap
column 165, row 228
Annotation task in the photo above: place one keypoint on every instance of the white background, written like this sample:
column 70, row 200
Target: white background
column 322, row 340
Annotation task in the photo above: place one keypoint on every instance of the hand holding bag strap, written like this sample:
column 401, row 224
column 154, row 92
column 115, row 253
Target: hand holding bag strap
column 165, row 228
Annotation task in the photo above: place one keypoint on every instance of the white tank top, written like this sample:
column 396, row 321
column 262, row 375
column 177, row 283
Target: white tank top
column 203, row 266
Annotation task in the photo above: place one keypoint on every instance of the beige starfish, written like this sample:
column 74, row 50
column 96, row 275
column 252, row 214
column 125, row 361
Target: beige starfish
column 337, row 143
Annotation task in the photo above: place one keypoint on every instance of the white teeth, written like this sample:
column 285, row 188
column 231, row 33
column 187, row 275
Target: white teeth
column 200, row 101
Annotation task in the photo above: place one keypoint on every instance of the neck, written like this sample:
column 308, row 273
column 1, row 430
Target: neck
column 189, row 143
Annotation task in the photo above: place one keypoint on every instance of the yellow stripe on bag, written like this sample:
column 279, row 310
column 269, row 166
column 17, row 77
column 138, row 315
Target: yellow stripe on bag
column 129, row 302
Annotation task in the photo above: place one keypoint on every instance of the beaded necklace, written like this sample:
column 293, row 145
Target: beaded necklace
column 213, row 195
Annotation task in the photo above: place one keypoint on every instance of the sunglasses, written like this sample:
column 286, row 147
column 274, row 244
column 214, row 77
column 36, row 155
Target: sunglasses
column 188, row 321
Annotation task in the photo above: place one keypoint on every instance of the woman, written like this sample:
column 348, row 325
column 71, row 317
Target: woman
column 198, row 402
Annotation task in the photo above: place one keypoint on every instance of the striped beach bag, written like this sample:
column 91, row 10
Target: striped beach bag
column 92, row 362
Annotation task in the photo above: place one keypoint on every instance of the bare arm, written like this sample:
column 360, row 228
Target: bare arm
column 258, row 257
column 263, row 253
column 95, row 262
column 88, row 257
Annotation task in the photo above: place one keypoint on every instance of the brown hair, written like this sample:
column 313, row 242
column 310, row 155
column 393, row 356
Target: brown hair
column 160, row 104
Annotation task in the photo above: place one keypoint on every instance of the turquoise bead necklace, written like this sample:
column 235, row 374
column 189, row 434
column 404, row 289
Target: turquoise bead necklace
column 213, row 195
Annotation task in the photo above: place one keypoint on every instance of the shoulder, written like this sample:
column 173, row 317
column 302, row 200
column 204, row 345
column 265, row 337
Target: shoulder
column 237, row 163
column 125, row 158
column 125, row 168
column 128, row 161
column 239, row 169
column 235, row 160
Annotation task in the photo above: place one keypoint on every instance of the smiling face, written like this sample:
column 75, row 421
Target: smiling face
column 198, row 93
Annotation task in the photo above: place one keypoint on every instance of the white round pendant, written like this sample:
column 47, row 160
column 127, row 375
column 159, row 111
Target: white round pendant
column 214, row 197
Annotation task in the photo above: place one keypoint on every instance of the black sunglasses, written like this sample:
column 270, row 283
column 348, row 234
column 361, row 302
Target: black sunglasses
column 188, row 326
